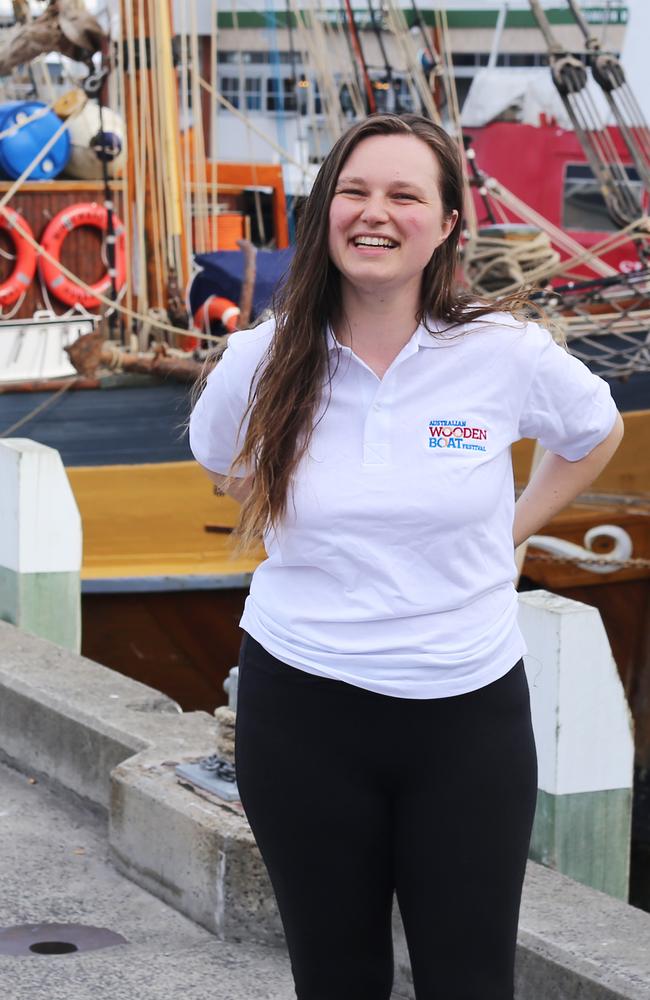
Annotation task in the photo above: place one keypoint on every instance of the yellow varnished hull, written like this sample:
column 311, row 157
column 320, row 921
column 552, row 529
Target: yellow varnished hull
column 152, row 520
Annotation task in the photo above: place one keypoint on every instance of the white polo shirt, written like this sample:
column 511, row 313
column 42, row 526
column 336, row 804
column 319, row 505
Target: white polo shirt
column 393, row 569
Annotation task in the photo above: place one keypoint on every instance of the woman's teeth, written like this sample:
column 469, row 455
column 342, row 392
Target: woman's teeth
column 374, row 241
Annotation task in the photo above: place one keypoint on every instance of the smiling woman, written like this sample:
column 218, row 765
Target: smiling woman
column 368, row 428
column 386, row 220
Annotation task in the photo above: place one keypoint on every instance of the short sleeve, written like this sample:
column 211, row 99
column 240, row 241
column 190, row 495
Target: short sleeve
column 216, row 431
column 567, row 408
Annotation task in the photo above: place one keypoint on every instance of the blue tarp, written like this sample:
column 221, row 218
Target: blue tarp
column 223, row 273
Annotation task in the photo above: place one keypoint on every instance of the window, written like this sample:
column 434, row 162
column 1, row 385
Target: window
column 347, row 107
column 274, row 58
column 318, row 104
column 230, row 89
column 383, row 95
column 584, row 207
column 518, row 59
column 253, row 87
column 403, row 94
column 281, row 95
column 503, row 59
column 303, row 88
column 463, row 58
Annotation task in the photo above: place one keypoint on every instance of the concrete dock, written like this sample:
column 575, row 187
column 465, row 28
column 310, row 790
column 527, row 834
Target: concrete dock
column 95, row 830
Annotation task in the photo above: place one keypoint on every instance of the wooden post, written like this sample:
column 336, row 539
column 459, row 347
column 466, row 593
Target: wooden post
column 40, row 544
column 585, row 743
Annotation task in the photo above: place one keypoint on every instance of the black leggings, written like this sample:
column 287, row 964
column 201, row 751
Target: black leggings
column 352, row 796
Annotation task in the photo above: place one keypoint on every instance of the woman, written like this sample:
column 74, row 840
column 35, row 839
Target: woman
column 384, row 742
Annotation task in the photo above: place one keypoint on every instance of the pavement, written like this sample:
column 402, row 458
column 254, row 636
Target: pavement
column 54, row 867
column 87, row 744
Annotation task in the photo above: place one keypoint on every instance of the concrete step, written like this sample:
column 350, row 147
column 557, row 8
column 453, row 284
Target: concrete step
column 54, row 867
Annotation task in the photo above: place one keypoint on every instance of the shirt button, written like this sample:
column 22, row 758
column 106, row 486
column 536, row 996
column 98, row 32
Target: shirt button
column 377, row 406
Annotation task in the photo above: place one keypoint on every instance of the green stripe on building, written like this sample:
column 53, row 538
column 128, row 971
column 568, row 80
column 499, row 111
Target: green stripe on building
column 455, row 18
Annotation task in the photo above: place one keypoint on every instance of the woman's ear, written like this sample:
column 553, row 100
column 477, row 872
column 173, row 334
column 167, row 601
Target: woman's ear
column 449, row 224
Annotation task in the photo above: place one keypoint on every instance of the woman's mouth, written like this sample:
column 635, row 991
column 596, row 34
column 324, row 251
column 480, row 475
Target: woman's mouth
column 374, row 242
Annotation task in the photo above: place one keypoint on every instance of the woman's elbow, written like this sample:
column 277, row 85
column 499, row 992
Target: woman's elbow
column 608, row 445
column 615, row 436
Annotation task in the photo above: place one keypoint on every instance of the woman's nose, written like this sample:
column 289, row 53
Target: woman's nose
column 374, row 209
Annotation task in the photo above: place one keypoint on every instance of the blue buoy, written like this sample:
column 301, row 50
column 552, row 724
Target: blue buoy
column 19, row 147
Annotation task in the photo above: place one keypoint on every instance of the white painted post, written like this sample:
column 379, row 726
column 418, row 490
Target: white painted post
column 40, row 544
column 585, row 743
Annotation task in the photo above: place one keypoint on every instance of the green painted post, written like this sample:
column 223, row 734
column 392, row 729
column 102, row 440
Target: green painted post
column 40, row 544
column 585, row 743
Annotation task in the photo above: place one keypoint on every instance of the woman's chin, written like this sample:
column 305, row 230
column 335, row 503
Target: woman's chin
column 366, row 282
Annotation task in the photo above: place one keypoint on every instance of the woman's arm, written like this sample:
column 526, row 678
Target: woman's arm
column 556, row 482
column 238, row 488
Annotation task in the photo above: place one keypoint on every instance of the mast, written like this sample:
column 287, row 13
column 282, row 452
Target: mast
column 154, row 210
column 356, row 43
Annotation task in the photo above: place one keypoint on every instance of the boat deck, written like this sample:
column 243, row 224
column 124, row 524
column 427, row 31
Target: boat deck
column 156, row 527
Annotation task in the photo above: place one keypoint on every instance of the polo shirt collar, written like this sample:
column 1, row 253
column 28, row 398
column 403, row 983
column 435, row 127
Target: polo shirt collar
column 421, row 336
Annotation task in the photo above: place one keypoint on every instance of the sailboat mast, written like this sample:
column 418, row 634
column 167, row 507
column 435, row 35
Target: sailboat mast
column 356, row 43
column 154, row 210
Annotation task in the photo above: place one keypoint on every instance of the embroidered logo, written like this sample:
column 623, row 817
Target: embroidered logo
column 458, row 435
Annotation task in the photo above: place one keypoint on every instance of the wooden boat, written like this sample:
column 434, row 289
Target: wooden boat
column 120, row 435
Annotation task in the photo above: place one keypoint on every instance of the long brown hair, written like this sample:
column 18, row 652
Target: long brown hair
column 293, row 374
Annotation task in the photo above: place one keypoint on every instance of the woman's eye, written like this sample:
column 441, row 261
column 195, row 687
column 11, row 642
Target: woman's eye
column 350, row 191
column 408, row 197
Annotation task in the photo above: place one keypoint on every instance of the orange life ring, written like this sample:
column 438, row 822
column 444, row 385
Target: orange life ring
column 218, row 309
column 82, row 214
column 25, row 266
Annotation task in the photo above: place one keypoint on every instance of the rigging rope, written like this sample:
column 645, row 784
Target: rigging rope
column 570, row 78
column 494, row 263
column 454, row 107
column 561, row 239
column 257, row 201
column 418, row 83
column 267, row 138
column 351, row 80
column 39, row 409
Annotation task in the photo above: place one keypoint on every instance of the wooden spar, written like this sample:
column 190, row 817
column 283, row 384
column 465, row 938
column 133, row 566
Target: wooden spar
column 48, row 385
column 130, row 53
column 176, row 224
column 90, row 352
column 205, row 57
column 248, row 284
column 152, row 46
column 356, row 42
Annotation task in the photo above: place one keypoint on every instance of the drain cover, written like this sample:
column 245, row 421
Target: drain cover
column 55, row 939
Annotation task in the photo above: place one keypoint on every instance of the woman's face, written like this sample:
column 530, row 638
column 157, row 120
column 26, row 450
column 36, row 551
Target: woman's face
column 386, row 217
